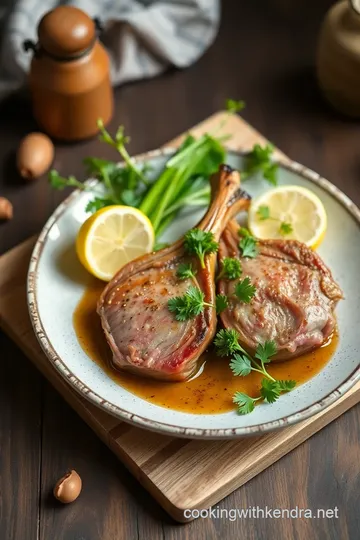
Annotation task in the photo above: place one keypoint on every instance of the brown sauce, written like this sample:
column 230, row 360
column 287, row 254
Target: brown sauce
column 211, row 391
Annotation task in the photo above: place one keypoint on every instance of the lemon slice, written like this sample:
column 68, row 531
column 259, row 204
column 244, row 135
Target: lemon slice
column 294, row 212
column 112, row 237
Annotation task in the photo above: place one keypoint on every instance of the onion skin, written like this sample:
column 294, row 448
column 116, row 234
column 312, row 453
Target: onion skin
column 34, row 156
column 6, row 209
column 68, row 488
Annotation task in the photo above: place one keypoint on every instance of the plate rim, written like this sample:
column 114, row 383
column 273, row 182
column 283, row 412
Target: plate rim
column 158, row 426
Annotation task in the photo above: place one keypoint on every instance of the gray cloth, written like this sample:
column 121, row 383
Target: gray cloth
column 143, row 37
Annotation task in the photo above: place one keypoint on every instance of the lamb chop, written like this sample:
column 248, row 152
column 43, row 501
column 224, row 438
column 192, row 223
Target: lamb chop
column 295, row 296
column 144, row 335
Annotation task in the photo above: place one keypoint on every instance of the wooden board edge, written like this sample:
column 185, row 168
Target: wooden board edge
column 289, row 443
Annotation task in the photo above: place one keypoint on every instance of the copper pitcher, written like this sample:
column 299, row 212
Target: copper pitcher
column 69, row 75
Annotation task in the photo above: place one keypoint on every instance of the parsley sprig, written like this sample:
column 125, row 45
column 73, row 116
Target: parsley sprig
column 245, row 290
column 192, row 303
column 221, row 302
column 200, row 243
column 244, row 232
column 185, row 271
column 285, row 228
column 230, row 268
column 233, row 106
column 263, row 214
column 260, row 160
column 247, row 244
column 226, row 342
column 248, row 247
column 242, row 364
column 189, row 305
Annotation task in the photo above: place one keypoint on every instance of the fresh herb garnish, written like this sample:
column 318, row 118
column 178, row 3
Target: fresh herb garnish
column 226, row 342
column 200, row 243
column 221, row 303
column 269, row 390
column 97, row 203
column 119, row 143
column 242, row 364
column 245, row 403
column 182, row 182
column 60, row 182
column 260, row 160
column 192, row 303
column 285, row 228
column 265, row 352
column 286, row 386
column 118, row 184
column 248, row 247
column 185, row 271
column 234, row 106
column 245, row 290
column 263, row 214
column 244, row 232
column 189, row 305
column 247, row 244
column 230, row 268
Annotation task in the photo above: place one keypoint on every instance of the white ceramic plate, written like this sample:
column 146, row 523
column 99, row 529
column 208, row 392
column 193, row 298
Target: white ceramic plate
column 56, row 283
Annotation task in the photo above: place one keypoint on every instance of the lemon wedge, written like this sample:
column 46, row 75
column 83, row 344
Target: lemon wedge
column 291, row 212
column 112, row 237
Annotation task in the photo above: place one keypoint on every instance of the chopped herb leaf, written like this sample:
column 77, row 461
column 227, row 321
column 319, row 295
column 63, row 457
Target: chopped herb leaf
column 260, row 160
column 265, row 351
column 243, row 231
column 248, row 247
column 185, row 271
column 200, row 243
column 97, row 203
column 222, row 303
column 226, row 342
column 187, row 306
column 234, row 106
column 245, row 403
column 269, row 390
column 245, row 291
column 263, row 213
column 231, row 268
column 286, row 386
column 285, row 228
column 60, row 182
column 240, row 365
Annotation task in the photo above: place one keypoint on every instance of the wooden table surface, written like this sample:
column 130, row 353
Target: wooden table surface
column 264, row 54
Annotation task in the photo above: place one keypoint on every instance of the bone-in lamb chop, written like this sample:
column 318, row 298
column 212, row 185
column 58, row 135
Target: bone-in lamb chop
column 294, row 300
column 144, row 336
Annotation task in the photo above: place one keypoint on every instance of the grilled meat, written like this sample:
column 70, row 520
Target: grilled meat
column 143, row 335
column 294, row 300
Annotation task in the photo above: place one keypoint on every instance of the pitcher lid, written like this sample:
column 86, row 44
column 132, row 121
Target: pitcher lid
column 66, row 31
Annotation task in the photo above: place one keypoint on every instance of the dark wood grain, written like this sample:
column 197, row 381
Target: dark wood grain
column 20, row 444
column 264, row 54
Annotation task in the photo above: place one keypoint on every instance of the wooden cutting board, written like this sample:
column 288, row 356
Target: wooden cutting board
column 179, row 473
